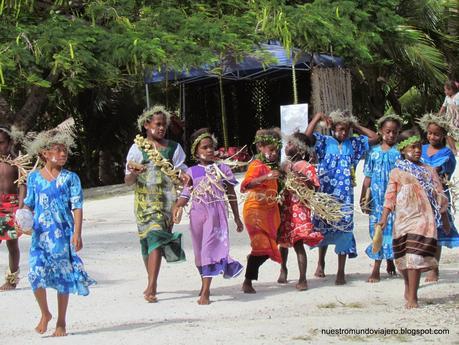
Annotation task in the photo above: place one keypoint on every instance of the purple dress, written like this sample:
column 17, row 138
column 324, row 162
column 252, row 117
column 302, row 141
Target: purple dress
column 209, row 220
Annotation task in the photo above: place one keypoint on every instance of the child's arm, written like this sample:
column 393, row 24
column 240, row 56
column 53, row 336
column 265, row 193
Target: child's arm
column 384, row 216
column 177, row 209
column 312, row 125
column 272, row 175
column 131, row 178
column 364, row 203
column 372, row 136
column 78, row 219
column 234, row 206
column 445, row 222
column 21, row 194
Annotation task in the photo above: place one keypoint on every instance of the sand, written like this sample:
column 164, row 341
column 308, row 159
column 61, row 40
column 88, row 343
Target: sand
column 116, row 313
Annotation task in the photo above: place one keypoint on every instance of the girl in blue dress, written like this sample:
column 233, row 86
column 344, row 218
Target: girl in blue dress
column 439, row 156
column 55, row 196
column 338, row 155
column 379, row 162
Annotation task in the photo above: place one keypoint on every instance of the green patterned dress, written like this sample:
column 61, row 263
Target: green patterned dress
column 154, row 197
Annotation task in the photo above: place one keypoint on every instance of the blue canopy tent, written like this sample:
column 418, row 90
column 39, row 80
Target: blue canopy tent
column 252, row 67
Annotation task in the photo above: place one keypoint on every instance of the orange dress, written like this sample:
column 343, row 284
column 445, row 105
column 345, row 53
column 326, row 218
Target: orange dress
column 261, row 212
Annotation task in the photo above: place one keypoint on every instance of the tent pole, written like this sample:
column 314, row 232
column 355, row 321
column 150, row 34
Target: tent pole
column 223, row 113
column 147, row 95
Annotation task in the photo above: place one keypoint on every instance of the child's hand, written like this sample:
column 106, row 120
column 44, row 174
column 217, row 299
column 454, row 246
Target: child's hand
column 177, row 212
column 239, row 225
column 382, row 223
column 18, row 229
column 77, row 242
column 364, row 206
column 273, row 175
column 446, row 226
column 136, row 168
column 185, row 178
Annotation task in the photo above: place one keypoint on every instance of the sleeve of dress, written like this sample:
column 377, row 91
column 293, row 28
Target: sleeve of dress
column 311, row 174
column 445, row 102
column 29, row 200
column 320, row 145
column 186, row 192
column 76, row 192
column 179, row 158
column 390, row 198
column 253, row 171
column 360, row 146
column 450, row 165
column 368, row 167
column 230, row 178
column 134, row 155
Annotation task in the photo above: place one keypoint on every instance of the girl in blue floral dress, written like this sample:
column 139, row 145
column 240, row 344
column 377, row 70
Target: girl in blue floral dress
column 53, row 194
column 437, row 155
column 379, row 162
column 338, row 155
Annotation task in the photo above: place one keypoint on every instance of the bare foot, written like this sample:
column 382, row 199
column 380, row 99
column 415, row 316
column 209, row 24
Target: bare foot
column 60, row 331
column 151, row 298
column 340, row 279
column 432, row 276
column 247, row 287
column 319, row 272
column 410, row 304
column 204, row 299
column 42, row 326
column 390, row 268
column 302, row 285
column 7, row 287
column 283, row 276
column 374, row 277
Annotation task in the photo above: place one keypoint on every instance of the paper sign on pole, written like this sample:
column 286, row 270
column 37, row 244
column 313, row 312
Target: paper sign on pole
column 293, row 117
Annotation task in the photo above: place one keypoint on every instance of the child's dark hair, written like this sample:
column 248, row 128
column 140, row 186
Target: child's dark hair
column 6, row 131
column 451, row 85
column 302, row 143
column 405, row 135
column 195, row 135
column 270, row 136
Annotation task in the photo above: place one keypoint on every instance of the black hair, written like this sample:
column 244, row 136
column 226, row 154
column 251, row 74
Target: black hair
column 306, row 143
column 6, row 131
column 195, row 135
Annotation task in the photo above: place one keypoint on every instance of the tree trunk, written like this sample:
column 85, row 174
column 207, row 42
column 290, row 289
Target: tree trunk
column 6, row 115
column 34, row 103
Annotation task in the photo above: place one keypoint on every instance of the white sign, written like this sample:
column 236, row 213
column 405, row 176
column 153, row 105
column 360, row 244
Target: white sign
column 294, row 117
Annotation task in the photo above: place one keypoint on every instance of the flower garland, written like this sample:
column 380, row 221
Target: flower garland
column 158, row 160
column 268, row 140
column 199, row 139
column 410, row 141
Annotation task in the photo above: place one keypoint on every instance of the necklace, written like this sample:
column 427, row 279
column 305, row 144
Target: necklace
column 50, row 174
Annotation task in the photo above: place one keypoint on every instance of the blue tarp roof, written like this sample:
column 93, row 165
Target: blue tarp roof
column 250, row 67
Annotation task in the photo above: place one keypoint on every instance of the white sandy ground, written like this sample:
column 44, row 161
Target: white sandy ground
column 116, row 313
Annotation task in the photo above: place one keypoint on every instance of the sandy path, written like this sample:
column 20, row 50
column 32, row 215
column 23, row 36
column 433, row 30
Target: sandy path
column 116, row 313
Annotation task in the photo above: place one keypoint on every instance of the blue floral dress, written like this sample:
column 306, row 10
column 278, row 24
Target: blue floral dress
column 53, row 261
column 445, row 162
column 336, row 162
column 378, row 165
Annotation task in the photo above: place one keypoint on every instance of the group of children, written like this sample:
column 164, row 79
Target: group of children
column 405, row 192
column 402, row 192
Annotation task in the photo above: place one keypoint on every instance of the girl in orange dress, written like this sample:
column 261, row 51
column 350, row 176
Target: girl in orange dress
column 296, row 225
column 261, row 212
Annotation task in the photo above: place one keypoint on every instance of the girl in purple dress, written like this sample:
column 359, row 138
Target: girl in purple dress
column 208, row 214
